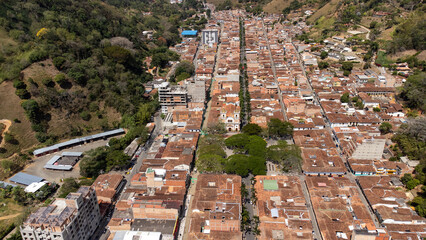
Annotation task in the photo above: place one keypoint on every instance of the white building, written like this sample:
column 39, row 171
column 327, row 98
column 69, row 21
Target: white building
column 210, row 36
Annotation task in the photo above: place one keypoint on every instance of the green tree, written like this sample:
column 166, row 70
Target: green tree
column 252, row 129
column 279, row 129
column 93, row 162
column 345, row 98
column 22, row 93
column 210, row 163
column 238, row 164
column 185, row 67
column 19, row 84
column 48, row 82
column 385, row 128
column 347, row 66
column 218, row 128
column 60, row 79
column 413, row 91
column 237, row 141
column 9, row 138
column 323, row 65
column 116, row 160
column 69, row 185
column 406, row 178
column 256, row 146
column 288, row 156
column 412, row 184
column 213, row 149
column 59, row 62
column 324, row 55
column 373, row 24
column 85, row 116
column 144, row 113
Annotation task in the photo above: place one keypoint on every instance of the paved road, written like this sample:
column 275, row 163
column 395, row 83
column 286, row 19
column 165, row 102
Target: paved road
column 315, row 226
column 247, row 181
column 280, row 95
column 208, row 107
column 349, row 174
column 100, row 232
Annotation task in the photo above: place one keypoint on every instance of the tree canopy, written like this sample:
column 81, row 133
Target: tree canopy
column 279, row 129
column 252, row 129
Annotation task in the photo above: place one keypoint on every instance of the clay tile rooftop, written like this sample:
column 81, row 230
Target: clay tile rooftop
column 216, row 207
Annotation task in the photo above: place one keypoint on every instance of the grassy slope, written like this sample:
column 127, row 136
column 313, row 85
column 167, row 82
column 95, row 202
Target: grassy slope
column 217, row 2
column 10, row 108
column 276, row 6
column 327, row 10
column 60, row 124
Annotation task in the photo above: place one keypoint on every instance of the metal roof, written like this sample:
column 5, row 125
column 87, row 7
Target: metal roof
column 58, row 167
column 189, row 32
column 71, row 154
column 53, row 160
column 78, row 141
column 5, row 184
column 25, row 179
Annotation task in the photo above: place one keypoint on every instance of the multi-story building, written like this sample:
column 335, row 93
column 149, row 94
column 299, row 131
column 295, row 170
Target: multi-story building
column 210, row 36
column 172, row 96
column 75, row 217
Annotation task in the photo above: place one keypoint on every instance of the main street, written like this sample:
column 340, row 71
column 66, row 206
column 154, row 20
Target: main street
column 101, row 232
column 249, row 206
column 280, row 95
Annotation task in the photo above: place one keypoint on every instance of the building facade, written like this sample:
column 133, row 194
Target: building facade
column 75, row 217
column 210, row 36
column 172, row 96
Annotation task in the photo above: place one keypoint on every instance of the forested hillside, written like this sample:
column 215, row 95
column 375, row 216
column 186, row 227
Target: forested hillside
column 77, row 66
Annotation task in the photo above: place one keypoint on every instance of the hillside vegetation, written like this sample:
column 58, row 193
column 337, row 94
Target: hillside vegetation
column 77, row 66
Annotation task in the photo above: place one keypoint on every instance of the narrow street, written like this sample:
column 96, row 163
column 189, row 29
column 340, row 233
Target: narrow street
column 315, row 226
column 280, row 95
column 249, row 206
column 349, row 174
column 100, row 232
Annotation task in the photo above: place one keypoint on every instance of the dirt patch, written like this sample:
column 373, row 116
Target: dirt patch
column 3, row 129
column 10, row 216
column 10, row 108
column 387, row 34
column 403, row 54
column 40, row 70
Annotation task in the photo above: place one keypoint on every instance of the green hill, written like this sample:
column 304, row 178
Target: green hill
column 77, row 66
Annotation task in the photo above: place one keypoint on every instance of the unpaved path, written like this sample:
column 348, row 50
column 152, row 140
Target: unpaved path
column 7, row 123
column 9, row 216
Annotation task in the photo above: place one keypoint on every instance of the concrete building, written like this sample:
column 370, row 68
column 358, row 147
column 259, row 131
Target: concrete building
column 172, row 96
column 75, row 217
column 197, row 91
column 210, row 36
